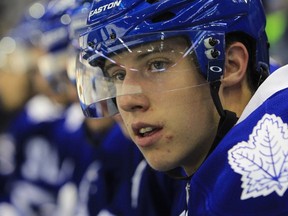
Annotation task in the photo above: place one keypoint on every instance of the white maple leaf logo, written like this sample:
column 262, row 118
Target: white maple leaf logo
column 263, row 160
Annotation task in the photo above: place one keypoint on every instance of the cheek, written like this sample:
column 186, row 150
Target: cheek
column 195, row 115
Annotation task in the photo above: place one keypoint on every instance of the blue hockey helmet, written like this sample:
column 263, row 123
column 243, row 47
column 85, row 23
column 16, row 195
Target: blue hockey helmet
column 54, row 42
column 55, row 23
column 118, row 24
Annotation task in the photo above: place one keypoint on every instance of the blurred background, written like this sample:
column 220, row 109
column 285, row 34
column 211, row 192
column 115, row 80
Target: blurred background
column 11, row 12
column 277, row 28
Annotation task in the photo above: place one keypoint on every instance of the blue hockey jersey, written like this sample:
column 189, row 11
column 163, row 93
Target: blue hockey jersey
column 247, row 173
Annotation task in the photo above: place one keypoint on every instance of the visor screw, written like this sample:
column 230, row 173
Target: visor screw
column 215, row 53
column 211, row 42
column 112, row 36
column 212, row 53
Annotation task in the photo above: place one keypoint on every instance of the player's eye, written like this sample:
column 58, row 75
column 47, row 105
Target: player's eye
column 158, row 65
column 118, row 75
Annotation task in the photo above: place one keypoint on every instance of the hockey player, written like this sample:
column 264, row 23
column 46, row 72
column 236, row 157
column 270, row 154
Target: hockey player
column 181, row 73
column 141, row 189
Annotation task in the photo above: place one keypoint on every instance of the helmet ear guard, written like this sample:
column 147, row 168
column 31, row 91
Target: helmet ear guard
column 215, row 50
column 210, row 53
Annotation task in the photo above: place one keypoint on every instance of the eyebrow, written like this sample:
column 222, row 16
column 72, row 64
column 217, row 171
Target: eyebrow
column 138, row 57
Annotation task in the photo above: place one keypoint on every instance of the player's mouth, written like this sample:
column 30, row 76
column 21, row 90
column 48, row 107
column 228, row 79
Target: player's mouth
column 146, row 135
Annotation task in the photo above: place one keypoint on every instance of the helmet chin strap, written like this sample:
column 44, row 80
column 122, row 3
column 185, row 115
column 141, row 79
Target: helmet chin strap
column 227, row 120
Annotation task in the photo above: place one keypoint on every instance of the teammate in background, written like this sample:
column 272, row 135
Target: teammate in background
column 16, row 88
column 15, row 79
column 189, row 80
column 66, row 165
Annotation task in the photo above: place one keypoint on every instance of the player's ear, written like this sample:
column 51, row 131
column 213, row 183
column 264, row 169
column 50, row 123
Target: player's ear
column 236, row 64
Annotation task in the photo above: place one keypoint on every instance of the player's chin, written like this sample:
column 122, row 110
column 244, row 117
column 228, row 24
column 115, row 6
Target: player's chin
column 160, row 164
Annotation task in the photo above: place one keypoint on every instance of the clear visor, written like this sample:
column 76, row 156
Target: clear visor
column 71, row 63
column 152, row 64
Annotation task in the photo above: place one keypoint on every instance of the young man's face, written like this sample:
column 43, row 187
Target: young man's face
column 165, row 103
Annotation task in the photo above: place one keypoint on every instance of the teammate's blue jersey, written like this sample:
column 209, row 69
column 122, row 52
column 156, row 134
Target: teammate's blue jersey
column 33, row 159
column 247, row 173
column 101, row 160
column 65, row 172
